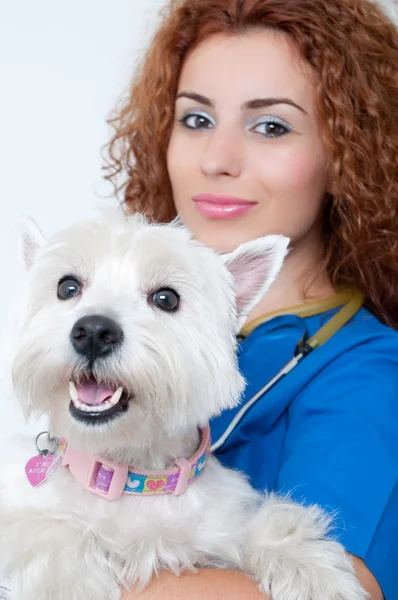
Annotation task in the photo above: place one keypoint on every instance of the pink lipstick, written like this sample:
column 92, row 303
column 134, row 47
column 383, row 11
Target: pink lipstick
column 215, row 206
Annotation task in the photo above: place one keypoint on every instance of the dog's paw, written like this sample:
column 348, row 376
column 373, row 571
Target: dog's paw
column 288, row 553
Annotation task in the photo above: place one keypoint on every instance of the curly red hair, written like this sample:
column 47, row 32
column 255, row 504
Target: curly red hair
column 353, row 49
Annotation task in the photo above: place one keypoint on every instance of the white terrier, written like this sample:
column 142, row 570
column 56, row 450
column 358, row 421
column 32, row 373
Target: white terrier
column 128, row 343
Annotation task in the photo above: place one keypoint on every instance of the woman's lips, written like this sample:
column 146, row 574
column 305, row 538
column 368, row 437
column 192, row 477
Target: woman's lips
column 216, row 206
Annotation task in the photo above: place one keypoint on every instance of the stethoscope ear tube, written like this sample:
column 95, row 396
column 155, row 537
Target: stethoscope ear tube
column 341, row 318
column 303, row 349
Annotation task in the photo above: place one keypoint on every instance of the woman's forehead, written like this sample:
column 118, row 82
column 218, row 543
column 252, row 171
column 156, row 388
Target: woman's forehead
column 234, row 69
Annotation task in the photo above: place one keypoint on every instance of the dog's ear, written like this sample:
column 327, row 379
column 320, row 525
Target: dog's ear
column 31, row 240
column 254, row 266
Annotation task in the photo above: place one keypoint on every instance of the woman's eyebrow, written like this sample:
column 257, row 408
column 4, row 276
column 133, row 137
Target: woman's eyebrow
column 265, row 102
column 197, row 97
column 251, row 104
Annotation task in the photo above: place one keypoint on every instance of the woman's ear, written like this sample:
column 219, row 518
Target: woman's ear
column 254, row 267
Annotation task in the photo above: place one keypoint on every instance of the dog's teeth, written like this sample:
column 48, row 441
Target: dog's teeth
column 73, row 392
column 109, row 403
column 102, row 407
column 116, row 396
column 82, row 406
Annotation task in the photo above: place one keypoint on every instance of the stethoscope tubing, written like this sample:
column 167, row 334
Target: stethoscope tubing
column 239, row 416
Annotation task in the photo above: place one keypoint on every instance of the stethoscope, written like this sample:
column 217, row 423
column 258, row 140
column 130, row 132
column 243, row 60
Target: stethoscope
column 352, row 301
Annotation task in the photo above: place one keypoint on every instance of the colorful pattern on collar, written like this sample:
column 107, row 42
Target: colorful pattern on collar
column 167, row 483
column 111, row 480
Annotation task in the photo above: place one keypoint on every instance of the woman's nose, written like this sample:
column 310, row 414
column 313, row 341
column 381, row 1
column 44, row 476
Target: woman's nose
column 223, row 153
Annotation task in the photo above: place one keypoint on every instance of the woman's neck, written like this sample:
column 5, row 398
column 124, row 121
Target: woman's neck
column 302, row 279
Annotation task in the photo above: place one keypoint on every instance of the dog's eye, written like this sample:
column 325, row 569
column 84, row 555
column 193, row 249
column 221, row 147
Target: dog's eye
column 68, row 287
column 166, row 299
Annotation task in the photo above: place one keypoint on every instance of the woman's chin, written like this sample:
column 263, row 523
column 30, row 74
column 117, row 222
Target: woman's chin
column 224, row 237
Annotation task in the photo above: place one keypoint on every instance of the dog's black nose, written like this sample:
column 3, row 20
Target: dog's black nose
column 95, row 336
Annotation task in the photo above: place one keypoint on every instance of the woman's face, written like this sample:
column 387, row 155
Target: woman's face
column 245, row 156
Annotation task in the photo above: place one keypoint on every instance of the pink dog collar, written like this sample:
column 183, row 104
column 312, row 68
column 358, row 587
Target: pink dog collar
column 111, row 480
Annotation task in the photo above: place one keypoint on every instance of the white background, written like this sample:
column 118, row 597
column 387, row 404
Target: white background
column 63, row 66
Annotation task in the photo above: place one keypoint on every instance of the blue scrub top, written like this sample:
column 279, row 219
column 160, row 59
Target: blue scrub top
column 327, row 433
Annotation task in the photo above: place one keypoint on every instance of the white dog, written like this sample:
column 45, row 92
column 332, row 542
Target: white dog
column 128, row 343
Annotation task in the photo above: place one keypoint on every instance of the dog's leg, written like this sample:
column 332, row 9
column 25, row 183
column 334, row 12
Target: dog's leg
column 287, row 552
column 53, row 559
column 38, row 581
column 5, row 592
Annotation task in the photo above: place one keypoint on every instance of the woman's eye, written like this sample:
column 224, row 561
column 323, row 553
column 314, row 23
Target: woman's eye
column 166, row 299
column 271, row 129
column 196, row 121
column 68, row 287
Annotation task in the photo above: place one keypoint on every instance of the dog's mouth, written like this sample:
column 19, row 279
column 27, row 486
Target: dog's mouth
column 94, row 402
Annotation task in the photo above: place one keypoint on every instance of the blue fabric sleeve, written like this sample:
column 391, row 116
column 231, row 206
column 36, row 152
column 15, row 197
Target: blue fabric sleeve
column 341, row 452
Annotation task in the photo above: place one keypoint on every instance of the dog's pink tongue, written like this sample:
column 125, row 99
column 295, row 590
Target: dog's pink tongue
column 93, row 394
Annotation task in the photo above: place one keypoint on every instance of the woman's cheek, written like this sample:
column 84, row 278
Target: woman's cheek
column 298, row 170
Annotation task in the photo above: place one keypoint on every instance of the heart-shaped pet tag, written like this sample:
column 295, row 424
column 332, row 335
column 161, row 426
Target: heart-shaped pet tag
column 39, row 468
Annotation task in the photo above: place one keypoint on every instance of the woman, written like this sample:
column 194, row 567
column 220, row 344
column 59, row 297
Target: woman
column 251, row 117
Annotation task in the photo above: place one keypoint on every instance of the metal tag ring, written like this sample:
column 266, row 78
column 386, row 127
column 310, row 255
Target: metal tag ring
column 51, row 440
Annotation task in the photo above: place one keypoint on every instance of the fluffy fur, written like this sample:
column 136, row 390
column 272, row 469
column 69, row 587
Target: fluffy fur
column 60, row 541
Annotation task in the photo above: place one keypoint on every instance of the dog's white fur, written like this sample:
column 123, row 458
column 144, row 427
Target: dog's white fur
column 61, row 542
